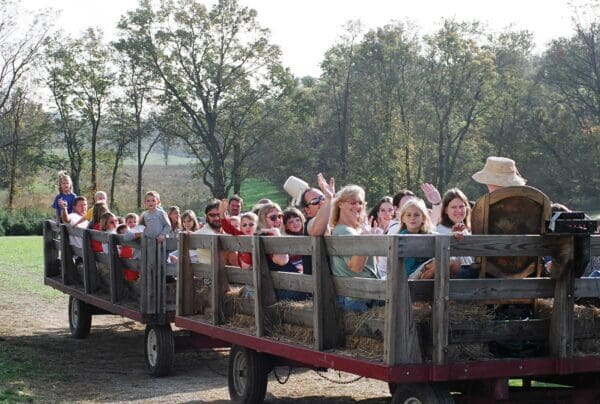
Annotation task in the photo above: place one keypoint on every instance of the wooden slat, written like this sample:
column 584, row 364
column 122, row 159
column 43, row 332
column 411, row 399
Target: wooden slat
column 263, row 284
column 356, row 245
column 218, row 288
column 116, row 277
column 327, row 320
column 101, row 258
column 401, row 340
column 200, row 241
column 293, row 245
column 97, row 235
column 258, row 258
column 66, row 257
column 361, row 288
column 440, row 299
column 595, row 245
column 236, row 243
column 587, row 287
column 292, row 281
column 90, row 272
column 51, row 264
column 561, row 324
column 505, row 245
column 238, row 275
column 77, row 251
column 489, row 289
column 185, row 284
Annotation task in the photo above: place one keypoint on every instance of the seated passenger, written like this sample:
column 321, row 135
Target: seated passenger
column 415, row 220
column 270, row 223
column 456, row 219
column 293, row 221
column 189, row 221
column 127, row 252
column 100, row 209
column 74, row 218
column 108, row 223
column 348, row 219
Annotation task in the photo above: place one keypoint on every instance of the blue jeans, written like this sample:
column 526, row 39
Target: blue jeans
column 467, row 273
column 358, row 305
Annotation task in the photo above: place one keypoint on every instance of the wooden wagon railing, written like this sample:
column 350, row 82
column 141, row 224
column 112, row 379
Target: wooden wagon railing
column 402, row 337
column 60, row 271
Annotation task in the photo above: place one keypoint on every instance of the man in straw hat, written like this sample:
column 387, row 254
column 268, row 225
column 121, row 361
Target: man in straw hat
column 499, row 172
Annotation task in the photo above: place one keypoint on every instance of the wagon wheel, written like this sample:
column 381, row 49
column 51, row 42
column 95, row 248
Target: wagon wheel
column 420, row 393
column 80, row 318
column 247, row 375
column 159, row 349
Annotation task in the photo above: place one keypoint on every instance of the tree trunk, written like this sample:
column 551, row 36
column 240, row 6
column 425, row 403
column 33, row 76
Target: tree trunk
column 236, row 170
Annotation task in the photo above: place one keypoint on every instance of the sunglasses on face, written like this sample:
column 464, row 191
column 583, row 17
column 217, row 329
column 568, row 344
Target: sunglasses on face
column 248, row 224
column 275, row 217
column 316, row 201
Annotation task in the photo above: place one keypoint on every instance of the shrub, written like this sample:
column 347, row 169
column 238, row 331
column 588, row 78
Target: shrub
column 26, row 222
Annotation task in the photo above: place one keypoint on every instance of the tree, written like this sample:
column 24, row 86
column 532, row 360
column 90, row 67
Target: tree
column 81, row 77
column 137, row 83
column 216, row 67
column 20, row 44
column 571, row 68
column 339, row 75
column 23, row 126
column 458, row 72
column 388, row 103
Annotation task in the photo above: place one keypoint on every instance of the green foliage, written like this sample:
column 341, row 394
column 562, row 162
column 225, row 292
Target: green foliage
column 21, row 222
column 253, row 190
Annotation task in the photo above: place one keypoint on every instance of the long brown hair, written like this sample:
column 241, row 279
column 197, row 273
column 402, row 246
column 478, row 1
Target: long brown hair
column 449, row 196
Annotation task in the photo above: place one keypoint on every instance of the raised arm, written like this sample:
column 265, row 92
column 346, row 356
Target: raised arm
column 435, row 199
column 318, row 226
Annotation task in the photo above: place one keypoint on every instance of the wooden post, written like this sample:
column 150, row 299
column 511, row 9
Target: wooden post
column 161, row 279
column 185, row 283
column 328, row 327
column 562, row 322
column 263, row 285
column 66, row 256
column 401, row 340
column 51, row 267
column 143, row 275
column 218, row 270
column 151, row 290
column 441, row 291
column 116, row 277
column 90, row 273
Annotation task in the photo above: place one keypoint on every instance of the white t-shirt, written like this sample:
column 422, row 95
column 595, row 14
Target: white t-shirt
column 76, row 241
column 441, row 229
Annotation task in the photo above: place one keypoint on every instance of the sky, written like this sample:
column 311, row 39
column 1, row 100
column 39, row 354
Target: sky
column 305, row 29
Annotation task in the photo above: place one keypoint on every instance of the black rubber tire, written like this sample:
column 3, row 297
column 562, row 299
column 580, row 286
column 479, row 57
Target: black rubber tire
column 159, row 349
column 247, row 375
column 420, row 393
column 80, row 318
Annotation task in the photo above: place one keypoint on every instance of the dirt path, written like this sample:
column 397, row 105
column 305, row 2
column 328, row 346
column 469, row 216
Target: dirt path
column 109, row 366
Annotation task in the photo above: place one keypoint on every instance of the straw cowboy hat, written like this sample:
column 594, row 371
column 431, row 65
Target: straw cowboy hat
column 295, row 187
column 499, row 171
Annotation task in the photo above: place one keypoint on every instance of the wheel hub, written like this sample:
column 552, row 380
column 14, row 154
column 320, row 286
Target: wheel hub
column 151, row 344
column 240, row 371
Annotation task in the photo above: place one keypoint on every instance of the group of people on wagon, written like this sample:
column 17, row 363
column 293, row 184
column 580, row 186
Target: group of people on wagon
column 314, row 211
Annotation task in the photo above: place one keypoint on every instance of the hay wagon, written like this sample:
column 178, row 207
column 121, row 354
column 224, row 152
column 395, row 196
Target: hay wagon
column 433, row 341
column 96, row 285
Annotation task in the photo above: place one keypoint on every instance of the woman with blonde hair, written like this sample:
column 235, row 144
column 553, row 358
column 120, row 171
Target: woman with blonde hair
column 270, row 223
column 348, row 219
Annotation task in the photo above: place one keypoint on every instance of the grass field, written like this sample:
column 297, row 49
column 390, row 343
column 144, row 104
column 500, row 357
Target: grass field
column 21, row 271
